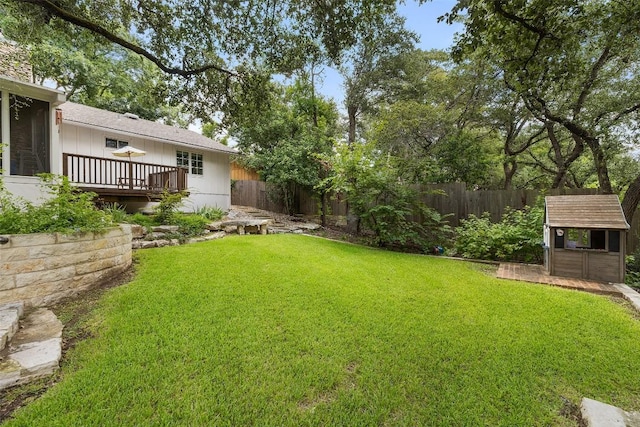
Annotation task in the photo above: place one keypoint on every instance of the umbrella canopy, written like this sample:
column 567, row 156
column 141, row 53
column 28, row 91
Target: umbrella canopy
column 128, row 151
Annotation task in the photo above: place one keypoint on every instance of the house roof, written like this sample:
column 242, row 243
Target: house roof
column 585, row 211
column 129, row 124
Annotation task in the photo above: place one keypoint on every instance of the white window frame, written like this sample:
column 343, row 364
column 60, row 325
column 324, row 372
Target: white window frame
column 192, row 162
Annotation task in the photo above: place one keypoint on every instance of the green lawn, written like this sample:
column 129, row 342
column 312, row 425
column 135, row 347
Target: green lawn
column 293, row 330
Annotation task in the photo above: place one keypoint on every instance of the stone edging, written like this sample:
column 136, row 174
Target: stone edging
column 43, row 268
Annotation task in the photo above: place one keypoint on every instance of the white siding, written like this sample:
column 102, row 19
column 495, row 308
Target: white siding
column 213, row 188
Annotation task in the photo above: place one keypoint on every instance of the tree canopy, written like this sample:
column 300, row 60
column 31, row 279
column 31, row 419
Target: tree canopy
column 573, row 63
column 222, row 50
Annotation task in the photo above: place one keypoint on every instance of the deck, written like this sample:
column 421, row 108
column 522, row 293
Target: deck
column 116, row 179
column 536, row 274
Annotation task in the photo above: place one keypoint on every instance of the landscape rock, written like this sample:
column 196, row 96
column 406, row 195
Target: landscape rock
column 165, row 229
column 309, row 226
column 143, row 244
column 599, row 414
column 215, row 226
column 156, row 235
column 34, row 351
column 137, row 231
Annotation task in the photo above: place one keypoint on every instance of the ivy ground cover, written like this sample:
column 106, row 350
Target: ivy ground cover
column 286, row 330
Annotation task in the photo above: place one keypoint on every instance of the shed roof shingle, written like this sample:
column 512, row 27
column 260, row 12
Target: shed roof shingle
column 83, row 115
column 585, row 211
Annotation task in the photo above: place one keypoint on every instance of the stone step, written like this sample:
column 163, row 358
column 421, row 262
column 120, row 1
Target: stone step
column 34, row 351
column 9, row 316
column 599, row 414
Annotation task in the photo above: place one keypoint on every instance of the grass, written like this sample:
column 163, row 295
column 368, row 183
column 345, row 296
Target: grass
column 289, row 330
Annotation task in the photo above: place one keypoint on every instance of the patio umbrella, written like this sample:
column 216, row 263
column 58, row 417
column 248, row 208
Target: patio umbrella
column 128, row 151
column 130, row 178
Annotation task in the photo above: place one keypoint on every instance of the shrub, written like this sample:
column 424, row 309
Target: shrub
column 385, row 201
column 391, row 218
column 517, row 237
column 68, row 210
column 168, row 207
column 632, row 277
column 211, row 213
column 141, row 219
column 13, row 214
column 117, row 212
column 191, row 225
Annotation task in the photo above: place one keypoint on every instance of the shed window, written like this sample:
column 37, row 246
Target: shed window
column 579, row 238
column 614, row 241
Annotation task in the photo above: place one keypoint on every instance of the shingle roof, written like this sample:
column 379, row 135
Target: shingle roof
column 585, row 211
column 83, row 115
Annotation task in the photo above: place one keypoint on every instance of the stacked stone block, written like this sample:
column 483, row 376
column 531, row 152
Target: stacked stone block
column 41, row 269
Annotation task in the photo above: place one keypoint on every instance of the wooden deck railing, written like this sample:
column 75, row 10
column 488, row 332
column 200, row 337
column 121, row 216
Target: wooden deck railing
column 123, row 174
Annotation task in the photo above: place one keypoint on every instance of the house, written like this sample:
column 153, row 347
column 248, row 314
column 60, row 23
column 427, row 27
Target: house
column 174, row 159
column 585, row 236
column 40, row 132
column 29, row 135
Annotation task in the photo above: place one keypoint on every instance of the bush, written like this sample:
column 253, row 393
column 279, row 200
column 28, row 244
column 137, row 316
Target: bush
column 68, row 210
column 211, row 213
column 191, row 225
column 632, row 277
column 393, row 224
column 168, row 207
column 385, row 201
column 117, row 212
column 141, row 219
column 517, row 237
column 13, row 214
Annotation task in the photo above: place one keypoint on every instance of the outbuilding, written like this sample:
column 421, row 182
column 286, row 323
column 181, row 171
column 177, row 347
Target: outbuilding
column 585, row 237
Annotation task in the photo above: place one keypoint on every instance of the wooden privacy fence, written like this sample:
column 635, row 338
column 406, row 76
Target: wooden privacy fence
column 449, row 199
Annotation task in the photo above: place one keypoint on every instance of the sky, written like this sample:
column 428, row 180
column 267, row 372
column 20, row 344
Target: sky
column 420, row 19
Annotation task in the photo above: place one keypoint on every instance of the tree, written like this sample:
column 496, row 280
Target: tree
column 435, row 123
column 372, row 63
column 573, row 63
column 222, row 51
column 387, row 204
column 284, row 142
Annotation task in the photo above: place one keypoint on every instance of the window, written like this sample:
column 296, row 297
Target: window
column 114, row 143
column 614, row 241
column 196, row 164
column 182, row 159
column 29, row 153
column 192, row 162
column 578, row 238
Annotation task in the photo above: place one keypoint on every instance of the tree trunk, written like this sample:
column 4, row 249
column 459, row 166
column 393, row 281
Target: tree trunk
column 323, row 197
column 510, row 167
column 352, row 112
column 600, row 163
column 313, row 97
column 631, row 199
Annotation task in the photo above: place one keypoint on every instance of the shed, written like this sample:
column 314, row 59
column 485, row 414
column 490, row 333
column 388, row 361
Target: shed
column 585, row 236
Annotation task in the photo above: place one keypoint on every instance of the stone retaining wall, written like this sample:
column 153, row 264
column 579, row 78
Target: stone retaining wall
column 41, row 269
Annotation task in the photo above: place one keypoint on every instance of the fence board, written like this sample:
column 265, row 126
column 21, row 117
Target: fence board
column 452, row 199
